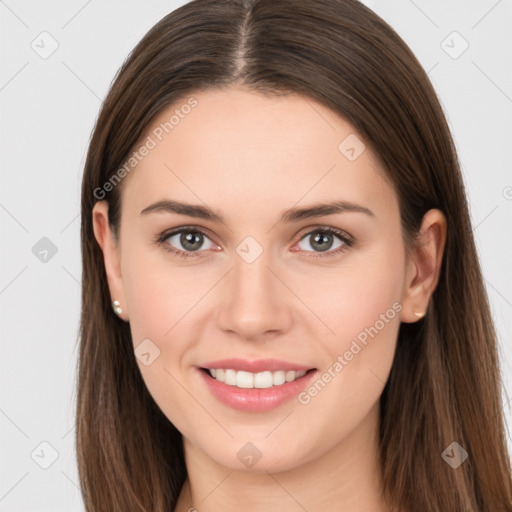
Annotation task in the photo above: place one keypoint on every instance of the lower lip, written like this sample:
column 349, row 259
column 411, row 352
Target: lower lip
column 256, row 399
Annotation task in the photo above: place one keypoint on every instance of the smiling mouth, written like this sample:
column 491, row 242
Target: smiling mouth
column 260, row 380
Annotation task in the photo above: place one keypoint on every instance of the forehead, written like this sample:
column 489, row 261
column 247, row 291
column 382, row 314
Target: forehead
column 237, row 149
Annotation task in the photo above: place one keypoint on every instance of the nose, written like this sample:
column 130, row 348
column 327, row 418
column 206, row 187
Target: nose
column 255, row 304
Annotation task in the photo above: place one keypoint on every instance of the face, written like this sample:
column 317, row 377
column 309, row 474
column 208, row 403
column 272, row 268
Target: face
column 260, row 278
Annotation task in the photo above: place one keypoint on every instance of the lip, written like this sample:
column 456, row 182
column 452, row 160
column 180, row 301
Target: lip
column 260, row 365
column 255, row 399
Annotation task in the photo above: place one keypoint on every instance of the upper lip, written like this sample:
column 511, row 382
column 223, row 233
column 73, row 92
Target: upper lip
column 260, row 365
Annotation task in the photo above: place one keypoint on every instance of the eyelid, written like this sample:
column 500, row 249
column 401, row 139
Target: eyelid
column 329, row 229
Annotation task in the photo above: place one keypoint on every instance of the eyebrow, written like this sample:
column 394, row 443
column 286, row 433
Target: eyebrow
column 291, row 215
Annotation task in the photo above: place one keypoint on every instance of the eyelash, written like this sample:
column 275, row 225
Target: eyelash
column 347, row 240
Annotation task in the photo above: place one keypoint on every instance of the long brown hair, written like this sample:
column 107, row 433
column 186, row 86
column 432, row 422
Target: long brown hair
column 444, row 385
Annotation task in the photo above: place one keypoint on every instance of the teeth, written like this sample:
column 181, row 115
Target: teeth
column 248, row 380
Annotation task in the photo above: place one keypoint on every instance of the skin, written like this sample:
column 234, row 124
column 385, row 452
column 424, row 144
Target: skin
column 249, row 157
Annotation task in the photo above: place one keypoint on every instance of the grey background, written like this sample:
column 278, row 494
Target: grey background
column 48, row 109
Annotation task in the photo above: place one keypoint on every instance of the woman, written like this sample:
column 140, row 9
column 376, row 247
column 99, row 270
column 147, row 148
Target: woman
column 283, row 307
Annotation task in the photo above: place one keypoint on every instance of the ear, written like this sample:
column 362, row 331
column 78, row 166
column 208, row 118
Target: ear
column 424, row 266
column 111, row 255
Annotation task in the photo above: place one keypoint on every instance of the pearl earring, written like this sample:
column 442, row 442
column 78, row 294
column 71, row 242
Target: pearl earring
column 419, row 315
column 116, row 306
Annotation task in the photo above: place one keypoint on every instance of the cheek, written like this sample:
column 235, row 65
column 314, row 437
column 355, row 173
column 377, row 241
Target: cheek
column 361, row 306
column 162, row 302
column 161, row 295
column 369, row 303
column 363, row 293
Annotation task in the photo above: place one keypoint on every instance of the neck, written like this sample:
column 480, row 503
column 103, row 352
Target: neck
column 345, row 478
